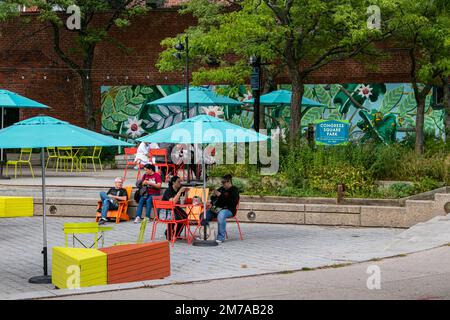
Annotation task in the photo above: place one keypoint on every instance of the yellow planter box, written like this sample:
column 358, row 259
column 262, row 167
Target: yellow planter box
column 78, row 267
column 11, row 207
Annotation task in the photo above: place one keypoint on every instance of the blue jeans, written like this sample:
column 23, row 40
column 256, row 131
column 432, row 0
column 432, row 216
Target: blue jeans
column 146, row 200
column 107, row 204
column 221, row 221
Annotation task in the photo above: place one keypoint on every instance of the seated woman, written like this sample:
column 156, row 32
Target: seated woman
column 173, row 193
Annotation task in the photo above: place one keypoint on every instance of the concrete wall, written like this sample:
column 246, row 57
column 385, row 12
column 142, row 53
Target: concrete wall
column 413, row 212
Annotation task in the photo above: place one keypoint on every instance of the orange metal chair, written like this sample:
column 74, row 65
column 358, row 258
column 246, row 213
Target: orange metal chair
column 121, row 212
column 169, row 206
column 235, row 218
column 194, row 214
column 129, row 152
column 162, row 153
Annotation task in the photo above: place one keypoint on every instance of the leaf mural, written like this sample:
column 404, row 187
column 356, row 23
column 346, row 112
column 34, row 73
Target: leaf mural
column 120, row 101
column 174, row 109
column 109, row 124
column 131, row 110
column 407, row 104
column 429, row 125
column 334, row 90
column 137, row 100
column 309, row 92
column 119, row 117
column 155, row 117
column 322, row 95
column 146, row 90
column 168, row 122
column 312, row 116
column 129, row 93
column 164, row 110
column 178, row 118
column 391, row 99
column 108, row 107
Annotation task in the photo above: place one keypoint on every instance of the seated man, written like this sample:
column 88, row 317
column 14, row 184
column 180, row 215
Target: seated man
column 110, row 199
column 149, row 185
column 224, row 202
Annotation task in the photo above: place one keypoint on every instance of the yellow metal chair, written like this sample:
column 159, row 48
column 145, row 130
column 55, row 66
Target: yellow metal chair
column 52, row 154
column 66, row 154
column 94, row 156
column 24, row 158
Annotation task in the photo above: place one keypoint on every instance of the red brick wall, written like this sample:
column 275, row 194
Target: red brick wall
column 45, row 76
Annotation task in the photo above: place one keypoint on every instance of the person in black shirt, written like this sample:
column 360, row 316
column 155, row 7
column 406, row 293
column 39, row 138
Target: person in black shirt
column 224, row 202
column 173, row 193
column 110, row 199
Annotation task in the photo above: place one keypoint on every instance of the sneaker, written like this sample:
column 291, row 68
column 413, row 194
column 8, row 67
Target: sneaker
column 219, row 241
column 102, row 221
column 137, row 220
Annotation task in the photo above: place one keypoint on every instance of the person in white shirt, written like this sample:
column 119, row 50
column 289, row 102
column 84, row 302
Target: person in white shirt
column 142, row 153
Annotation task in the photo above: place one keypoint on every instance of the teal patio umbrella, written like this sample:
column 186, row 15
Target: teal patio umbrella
column 198, row 96
column 10, row 99
column 41, row 132
column 204, row 129
column 283, row 98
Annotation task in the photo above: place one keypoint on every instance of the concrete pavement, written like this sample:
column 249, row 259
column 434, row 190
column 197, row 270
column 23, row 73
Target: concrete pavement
column 424, row 276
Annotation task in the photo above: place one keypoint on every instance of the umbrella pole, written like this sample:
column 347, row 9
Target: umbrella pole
column 1, row 150
column 204, row 242
column 45, row 278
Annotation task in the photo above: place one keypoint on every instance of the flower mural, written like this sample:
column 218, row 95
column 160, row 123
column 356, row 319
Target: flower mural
column 134, row 128
column 365, row 91
column 214, row 111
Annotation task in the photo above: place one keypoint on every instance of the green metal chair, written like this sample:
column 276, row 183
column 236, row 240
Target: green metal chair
column 140, row 238
column 95, row 156
column 52, row 155
column 77, row 228
column 24, row 158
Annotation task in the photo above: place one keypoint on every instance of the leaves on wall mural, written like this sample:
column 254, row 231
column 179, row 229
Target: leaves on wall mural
column 407, row 104
column 391, row 99
column 322, row 95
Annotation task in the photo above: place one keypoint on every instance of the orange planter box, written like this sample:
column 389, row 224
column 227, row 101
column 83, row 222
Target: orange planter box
column 138, row 262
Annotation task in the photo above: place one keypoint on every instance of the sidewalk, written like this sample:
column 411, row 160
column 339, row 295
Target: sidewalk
column 267, row 248
column 422, row 276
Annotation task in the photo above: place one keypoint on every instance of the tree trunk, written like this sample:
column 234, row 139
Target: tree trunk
column 86, row 84
column 420, row 119
column 298, row 90
column 447, row 111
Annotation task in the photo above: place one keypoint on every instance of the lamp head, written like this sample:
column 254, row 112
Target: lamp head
column 179, row 46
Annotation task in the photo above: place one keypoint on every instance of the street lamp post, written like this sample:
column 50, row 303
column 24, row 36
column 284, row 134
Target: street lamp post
column 255, row 82
column 180, row 48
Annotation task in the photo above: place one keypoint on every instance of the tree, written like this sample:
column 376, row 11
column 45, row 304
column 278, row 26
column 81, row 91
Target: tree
column 92, row 31
column 301, row 36
column 423, row 27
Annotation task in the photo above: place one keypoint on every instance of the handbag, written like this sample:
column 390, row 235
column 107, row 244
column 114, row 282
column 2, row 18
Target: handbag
column 139, row 193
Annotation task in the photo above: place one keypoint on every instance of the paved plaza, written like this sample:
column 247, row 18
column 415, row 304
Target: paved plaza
column 267, row 248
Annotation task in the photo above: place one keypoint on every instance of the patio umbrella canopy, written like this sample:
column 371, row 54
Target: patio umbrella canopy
column 41, row 132
column 197, row 96
column 10, row 99
column 204, row 129
column 283, row 98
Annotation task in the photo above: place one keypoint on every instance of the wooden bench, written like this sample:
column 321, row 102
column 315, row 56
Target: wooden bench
column 138, row 262
column 74, row 268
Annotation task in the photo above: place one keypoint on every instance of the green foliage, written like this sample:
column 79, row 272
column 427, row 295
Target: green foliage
column 308, row 172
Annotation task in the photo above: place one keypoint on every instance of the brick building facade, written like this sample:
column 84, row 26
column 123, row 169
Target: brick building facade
column 29, row 66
